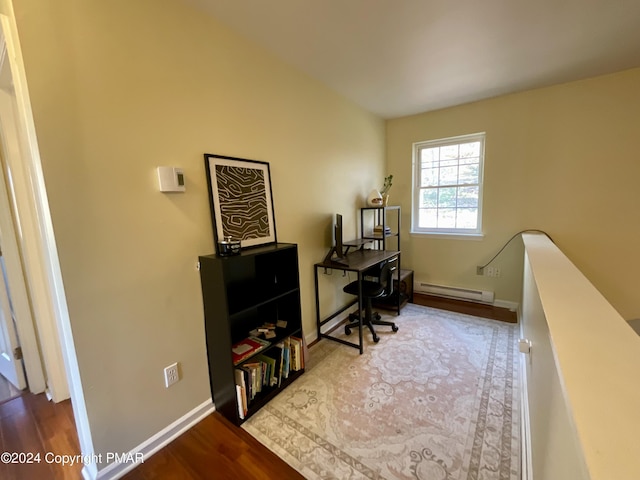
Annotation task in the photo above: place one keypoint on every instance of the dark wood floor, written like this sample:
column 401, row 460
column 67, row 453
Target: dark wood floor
column 30, row 424
column 213, row 449
column 470, row 308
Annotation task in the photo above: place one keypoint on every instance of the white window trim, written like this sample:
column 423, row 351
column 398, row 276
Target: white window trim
column 449, row 235
column 446, row 232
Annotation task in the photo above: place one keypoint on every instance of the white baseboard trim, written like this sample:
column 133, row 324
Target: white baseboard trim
column 150, row 446
column 509, row 305
column 313, row 336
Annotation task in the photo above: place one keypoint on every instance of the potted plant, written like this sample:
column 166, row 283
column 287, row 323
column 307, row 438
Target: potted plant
column 384, row 191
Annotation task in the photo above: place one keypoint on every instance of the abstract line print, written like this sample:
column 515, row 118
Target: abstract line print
column 243, row 202
column 240, row 199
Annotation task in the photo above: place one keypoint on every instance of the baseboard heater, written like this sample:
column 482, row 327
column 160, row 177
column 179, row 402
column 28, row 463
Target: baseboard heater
column 481, row 296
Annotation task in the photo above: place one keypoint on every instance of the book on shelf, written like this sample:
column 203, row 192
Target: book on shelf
column 267, row 370
column 297, row 347
column 241, row 398
column 378, row 229
column 270, row 374
column 286, row 357
column 241, row 390
column 247, row 347
column 293, row 355
column 252, row 374
column 279, row 350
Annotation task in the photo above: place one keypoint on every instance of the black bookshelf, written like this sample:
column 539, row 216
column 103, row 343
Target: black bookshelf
column 240, row 294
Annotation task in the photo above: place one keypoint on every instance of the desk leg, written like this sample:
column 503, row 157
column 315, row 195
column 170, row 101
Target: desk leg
column 399, row 299
column 360, row 306
column 317, row 303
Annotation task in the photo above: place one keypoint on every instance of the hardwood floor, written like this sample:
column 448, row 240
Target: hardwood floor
column 469, row 308
column 214, row 448
column 30, row 424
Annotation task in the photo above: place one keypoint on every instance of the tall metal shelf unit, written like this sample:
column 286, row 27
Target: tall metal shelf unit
column 387, row 217
column 380, row 217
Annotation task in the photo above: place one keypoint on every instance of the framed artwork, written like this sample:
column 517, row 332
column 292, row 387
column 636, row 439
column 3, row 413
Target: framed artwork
column 241, row 200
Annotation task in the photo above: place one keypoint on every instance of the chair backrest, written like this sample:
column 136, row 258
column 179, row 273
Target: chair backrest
column 386, row 276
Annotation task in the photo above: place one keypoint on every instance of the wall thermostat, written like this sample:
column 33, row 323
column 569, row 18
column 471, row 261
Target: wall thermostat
column 171, row 179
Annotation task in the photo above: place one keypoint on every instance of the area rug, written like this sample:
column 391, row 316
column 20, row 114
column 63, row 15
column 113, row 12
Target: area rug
column 438, row 400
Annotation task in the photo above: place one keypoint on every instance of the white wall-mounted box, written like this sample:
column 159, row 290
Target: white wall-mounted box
column 171, row 179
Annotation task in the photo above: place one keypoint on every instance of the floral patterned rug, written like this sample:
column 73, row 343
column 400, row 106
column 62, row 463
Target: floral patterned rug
column 438, row 400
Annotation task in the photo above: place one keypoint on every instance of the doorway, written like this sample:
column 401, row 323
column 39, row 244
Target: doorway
column 15, row 313
column 46, row 340
column 12, row 377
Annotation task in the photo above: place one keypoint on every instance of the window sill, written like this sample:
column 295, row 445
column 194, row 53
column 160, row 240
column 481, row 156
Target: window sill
column 450, row 235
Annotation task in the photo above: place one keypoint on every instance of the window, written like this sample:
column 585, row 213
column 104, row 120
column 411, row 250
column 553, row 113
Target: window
column 447, row 185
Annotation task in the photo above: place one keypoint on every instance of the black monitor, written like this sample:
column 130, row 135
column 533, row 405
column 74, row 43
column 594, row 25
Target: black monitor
column 336, row 254
column 337, row 236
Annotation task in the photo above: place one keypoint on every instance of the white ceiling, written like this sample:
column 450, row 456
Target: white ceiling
column 400, row 57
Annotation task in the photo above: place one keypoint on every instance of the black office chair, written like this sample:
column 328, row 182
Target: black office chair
column 371, row 290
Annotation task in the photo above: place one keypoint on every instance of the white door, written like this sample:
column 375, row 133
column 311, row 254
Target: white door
column 10, row 366
column 18, row 316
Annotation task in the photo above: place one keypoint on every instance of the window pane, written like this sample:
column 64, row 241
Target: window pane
column 446, row 218
column 467, row 218
column 447, row 197
column 468, row 197
column 429, row 157
column 471, row 149
column 429, row 198
column 449, row 176
column 450, row 151
column 450, row 162
column 429, row 177
column 468, row 174
column 428, row 218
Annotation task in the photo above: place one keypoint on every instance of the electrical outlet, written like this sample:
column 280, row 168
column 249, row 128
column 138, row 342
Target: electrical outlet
column 171, row 375
column 492, row 271
column 479, row 270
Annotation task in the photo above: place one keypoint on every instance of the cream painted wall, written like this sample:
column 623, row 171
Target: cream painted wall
column 563, row 159
column 121, row 87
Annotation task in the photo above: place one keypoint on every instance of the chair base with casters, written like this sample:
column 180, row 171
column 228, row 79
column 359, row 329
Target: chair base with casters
column 375, row 320
column 371, row 290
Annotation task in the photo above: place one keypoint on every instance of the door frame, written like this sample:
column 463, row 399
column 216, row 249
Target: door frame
column 31, row 215
column 39, row 251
